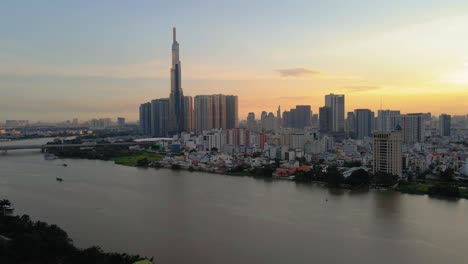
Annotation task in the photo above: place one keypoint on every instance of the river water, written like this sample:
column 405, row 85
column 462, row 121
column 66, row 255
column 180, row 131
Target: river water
column 184, row 217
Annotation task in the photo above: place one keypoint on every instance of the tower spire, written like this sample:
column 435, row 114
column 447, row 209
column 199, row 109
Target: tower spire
column 174, row 34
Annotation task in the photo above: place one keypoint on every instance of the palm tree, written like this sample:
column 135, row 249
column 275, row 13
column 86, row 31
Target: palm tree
column 3, row 204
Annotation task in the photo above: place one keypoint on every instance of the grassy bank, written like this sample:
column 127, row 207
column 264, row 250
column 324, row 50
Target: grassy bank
column 140, row 158
column 414, row 188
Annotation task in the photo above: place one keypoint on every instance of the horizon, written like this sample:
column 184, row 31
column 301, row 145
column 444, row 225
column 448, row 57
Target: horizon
column 85, row 65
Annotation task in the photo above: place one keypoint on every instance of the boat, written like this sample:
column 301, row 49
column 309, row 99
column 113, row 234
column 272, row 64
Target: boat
column 65, row 165
column 59, row 179
column 49, row 156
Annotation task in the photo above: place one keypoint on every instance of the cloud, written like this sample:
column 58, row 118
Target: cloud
column 360, row 88
column 296, row 72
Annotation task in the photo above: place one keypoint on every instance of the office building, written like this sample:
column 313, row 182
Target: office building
column 387, row 152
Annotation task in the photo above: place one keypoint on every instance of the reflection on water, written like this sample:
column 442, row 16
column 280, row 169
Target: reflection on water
column 184, row 217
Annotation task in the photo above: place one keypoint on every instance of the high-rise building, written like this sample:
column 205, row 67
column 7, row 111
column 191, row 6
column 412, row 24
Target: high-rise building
column 325, row 119
column 145, row 118
column 278, row 118
column 232, row 111
column 251, row 122
column 351, row 124
column 444, row 125
column 388, row 120
column 238, row 137
column 364, row 121
column 203, row 112
column 160, row 117
column 414, row 127
column 387, row 152
column 219, row 110
column 120, row 121
column 298, row 117
column 176, row 97
column 336, row 102
column 269, row 122
column 188, row 117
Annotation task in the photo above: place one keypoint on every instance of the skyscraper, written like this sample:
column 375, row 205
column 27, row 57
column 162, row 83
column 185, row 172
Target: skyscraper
column 219, row 110
column 414, row 127
column 145, row 118
column 203, row 113
column 325, row 119
column 278, row 118
column 387, row 120
column 251, row 122
column 387, row 152
column 336, row 102
column 176, row 98
column 298, row 117
column 232, row 111
column 160, row 117
column 444, row 125
column 364, row 121
column 351, row 124
column 188, row 111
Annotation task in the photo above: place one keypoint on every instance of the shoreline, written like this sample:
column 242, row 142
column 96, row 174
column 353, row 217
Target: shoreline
column 413, row 188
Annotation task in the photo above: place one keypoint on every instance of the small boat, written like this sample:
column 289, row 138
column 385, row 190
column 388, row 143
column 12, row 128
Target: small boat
column 65, row 165
column 59, row 179
column 49, row 156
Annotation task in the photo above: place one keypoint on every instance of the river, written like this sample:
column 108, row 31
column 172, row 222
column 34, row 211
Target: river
column 192, row 217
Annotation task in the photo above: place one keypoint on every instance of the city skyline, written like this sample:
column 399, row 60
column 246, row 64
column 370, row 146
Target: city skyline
column 292, row 63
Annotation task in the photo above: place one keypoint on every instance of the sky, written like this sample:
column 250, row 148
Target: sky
column 88, row 59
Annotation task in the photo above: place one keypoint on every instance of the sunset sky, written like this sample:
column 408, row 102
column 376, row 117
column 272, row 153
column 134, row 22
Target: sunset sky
column 85, row 59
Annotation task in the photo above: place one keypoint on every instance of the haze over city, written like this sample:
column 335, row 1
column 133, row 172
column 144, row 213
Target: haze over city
column 64, row 60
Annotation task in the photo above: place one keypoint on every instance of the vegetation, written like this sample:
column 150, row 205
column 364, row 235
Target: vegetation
column 119, row 154
column 140, row 159
column 358, row 178
column 350, row 164
column 333, row 177
column 385, row 179
column 29, row 242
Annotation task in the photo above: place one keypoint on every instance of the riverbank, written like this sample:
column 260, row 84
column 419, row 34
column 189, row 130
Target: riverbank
column 139, row 158
column 25, row 241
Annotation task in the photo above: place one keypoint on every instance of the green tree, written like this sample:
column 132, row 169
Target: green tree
column 333, row 177
column 385, row 179
column 447, row 175
column 358, row 178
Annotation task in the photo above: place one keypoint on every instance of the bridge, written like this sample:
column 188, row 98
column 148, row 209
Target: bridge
column 5, row 148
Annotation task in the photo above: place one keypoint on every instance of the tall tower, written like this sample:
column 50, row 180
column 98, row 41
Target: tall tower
column 176, row 98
